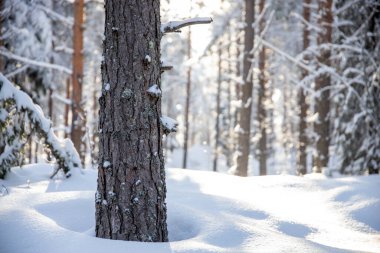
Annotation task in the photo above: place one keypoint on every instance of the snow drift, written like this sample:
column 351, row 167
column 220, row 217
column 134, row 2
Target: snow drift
column 207, row 212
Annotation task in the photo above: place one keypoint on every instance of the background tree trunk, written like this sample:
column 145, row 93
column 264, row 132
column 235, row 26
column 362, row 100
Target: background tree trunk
column 303, row 106
column 322, row 103
column 217, row 118
column 244, row 121
column 66, row 115
column 77, row 123
column 187, row 105
column 130, row 200
column 261, row 110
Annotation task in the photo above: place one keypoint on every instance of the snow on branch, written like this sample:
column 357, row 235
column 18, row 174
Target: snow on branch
column 17, row 104
column 10, row 55
column 174, row 26
column 290, row 58
column 169, row 125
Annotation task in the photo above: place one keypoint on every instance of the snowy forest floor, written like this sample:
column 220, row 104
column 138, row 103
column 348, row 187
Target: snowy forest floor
column 207, row 212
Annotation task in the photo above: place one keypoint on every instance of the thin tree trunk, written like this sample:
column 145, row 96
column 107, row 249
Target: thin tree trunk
column 94, row 125
column 50, row 104
column 67, row 107
column 217, row 130
column 130, row 200
column 77, row 123
column 50, row 114
column 187, row 105
column 244, row 122
column 261, row 110
column 36, row 152
column 229, row 141
column 303, row 106
column 322, row 103
column 30, row 149
column 238, row 74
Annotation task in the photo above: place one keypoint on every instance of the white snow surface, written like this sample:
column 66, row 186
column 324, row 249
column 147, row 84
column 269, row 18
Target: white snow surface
column 207, row 212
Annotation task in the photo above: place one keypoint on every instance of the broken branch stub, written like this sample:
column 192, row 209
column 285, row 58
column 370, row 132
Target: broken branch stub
column 174, row 26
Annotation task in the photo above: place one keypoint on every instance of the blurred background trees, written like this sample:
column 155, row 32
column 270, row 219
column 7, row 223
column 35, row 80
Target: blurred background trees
column 314, row 66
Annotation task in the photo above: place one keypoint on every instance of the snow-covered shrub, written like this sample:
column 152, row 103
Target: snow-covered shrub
column 19, row 119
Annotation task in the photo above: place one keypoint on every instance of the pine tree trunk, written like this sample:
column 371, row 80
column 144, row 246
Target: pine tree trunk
column 130, row 200
column 187, row 105
column 244, row 121
column 77, row 123
column 322, row 103
column 261, row 103
column 217, row 118
column 303, row 106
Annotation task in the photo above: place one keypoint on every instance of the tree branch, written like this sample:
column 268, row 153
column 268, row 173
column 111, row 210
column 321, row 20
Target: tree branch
column 10, row 55
column 174, row 26
column 165, row 68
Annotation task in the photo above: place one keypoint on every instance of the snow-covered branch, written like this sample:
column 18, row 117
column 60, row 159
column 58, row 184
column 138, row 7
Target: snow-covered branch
column 66, row 20
column 10, row 55
column 17, row 71
column 174, row 26
column 279, row 51
column 63, row 150
column 62, row 99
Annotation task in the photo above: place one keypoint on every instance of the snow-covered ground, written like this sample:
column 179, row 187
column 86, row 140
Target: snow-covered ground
column 208, row 212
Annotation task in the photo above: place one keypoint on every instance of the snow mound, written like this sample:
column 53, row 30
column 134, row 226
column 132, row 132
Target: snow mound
column 207, row 212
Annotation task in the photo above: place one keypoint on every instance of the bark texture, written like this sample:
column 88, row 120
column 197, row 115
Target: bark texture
column 261, row 110
column 130, row 200
column 77, row 127
column 303, row 106
column 322, row 103
column 244, row 121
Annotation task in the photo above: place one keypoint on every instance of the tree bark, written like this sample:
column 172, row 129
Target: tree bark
column 217, row 119
column 77, row 123
column 303, row 106
column 187, row 105
column 322, row 103
column 130, row 200
column 244, row 121
column 261, row 110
